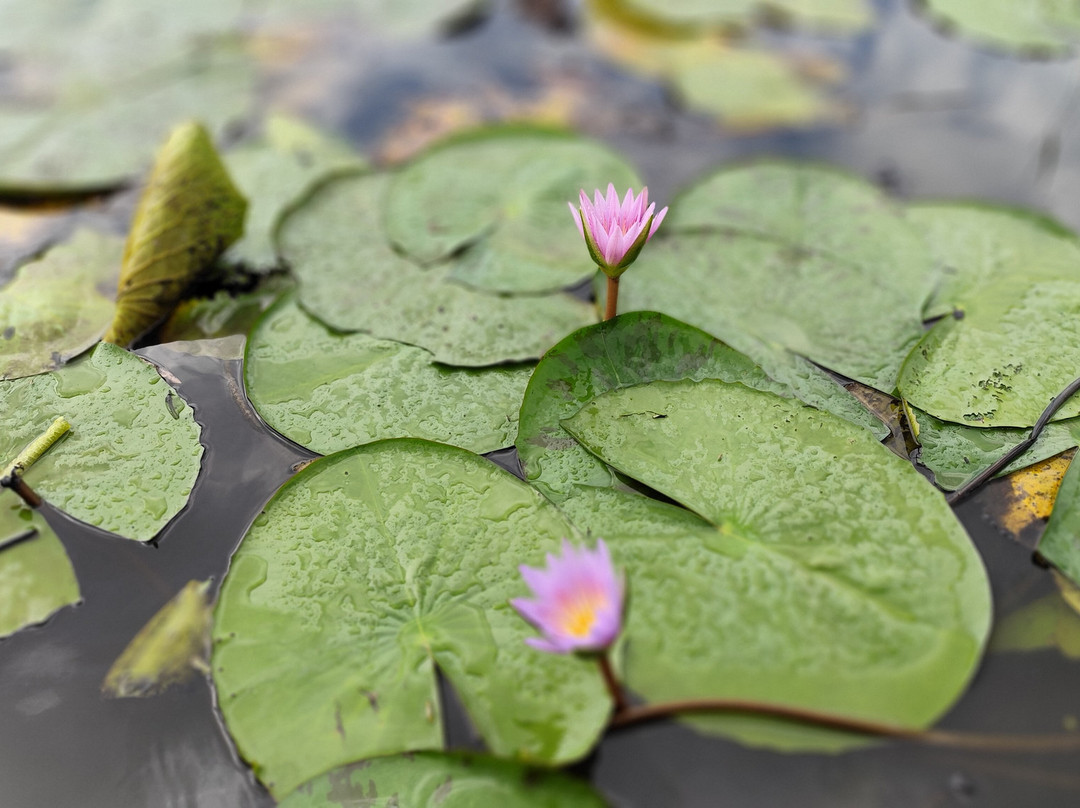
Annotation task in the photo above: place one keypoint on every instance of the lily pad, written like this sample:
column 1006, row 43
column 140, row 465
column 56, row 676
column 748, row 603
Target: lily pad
column 1060, row 544
column 502, row 194
column 799, row 256
column 59, row 306
column 836, row 14
column 36, row 576
column 133, row 452
column 275, row 171
column 815, row 568
column 353, row 280
column 1014, row 340
column 631, row 349
column 449, row 781
column 397, row 17
column 375, row 566
column 1039, row 26
column 330, row 391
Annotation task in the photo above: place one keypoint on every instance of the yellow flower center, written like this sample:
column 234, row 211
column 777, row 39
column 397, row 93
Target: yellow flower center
column 579, row 619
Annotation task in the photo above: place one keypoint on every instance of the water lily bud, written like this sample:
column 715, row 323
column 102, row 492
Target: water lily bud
column 615, row 232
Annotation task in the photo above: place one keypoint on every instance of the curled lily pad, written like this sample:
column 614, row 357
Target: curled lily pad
column 353, row 280
column 58, row 307
column 36, row 576
column 780, row 584
column 798, row 256
column 330, row 391
column 374, row 566
column 133, row 452
column 499, row 199
column 454, row 781
column 1014, row 340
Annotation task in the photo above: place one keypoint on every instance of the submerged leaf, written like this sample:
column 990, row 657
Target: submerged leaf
column 430, row 779
column 189, row 213
column 1049, row 622
column 58, row 307
column 133, row 452
column 36, row 576
column 375, row 567
column 173, row 645
column 329, row 391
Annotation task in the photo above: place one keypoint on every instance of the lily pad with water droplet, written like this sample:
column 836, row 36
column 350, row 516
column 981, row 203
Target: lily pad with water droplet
column 813, row 568
column 374, row 567
column 132, row 455
column 353, row 280
column 329, row 391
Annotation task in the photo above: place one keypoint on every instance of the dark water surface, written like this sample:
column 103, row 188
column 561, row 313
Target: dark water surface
column 929, row 117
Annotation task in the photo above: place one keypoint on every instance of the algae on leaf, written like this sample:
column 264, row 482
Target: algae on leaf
column 814, row 568
column 329, row 391
column 133, row 452
column 36, row 576
column 59, row 306
column 188, row 214
column 373, row 567
column 353, row 280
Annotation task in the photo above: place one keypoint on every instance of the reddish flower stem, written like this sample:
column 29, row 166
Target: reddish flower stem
column 618, row 696
column 612, row 300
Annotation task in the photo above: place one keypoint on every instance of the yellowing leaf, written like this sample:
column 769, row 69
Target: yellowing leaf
column 1025, row 498
column 189, row 213
column 167, row 649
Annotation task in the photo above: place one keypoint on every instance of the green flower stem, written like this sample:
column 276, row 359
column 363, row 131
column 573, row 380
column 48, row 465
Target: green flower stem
column 988, row 742
column 612, row 300
column 618, row 696
column 11, row 477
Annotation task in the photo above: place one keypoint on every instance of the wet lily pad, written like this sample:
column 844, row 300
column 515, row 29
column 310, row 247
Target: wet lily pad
column 36, row 576
column 1039, row 26
column 59, row 306
column 133, row 452
column 1014, row 341
column 330, row 391
column 374, row 566
column 634, row 348
column 453, row 781
column 353, row 280
column 275, row 171
column 502, row 194
column 1060, row 544
column 814, row 568
column 816, row 261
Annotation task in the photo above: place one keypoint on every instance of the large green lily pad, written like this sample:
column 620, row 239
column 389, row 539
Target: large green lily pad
column 353, row 280
column 373, row 567
column 631, row 349
column 275, row 171
column 36, row 577
column 330, row 391
column 502, row 194
column 1014, row 341
column 133, row 452
column 814, row 569
column 1041, row 26
column 803, row 257
column 449, row 781
column 59, row 306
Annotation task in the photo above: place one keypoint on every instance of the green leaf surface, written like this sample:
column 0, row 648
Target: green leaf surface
column 36, row 576
column 375, row 566
column 98, row 135
column 1060, row 543
column 276, row 171
column 634, row 348
column 59, row 306
column 133, row 452
column 798, row 256
column 1014, row 342
column 820, row 569
column 330, row 391
column 448, row 781
column 835, row 14
column 1048, row 622
column 503, row 193
column 396, row 17
column 353, row 280
column 1040, row 26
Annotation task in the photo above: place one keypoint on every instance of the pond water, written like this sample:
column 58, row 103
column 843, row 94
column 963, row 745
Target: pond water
column 923, row 114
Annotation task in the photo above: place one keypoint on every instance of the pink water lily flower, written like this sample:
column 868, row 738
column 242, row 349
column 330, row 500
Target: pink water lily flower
column 615, row 232
column 578, row 603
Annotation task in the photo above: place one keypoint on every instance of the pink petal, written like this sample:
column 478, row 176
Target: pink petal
column 659, row 217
